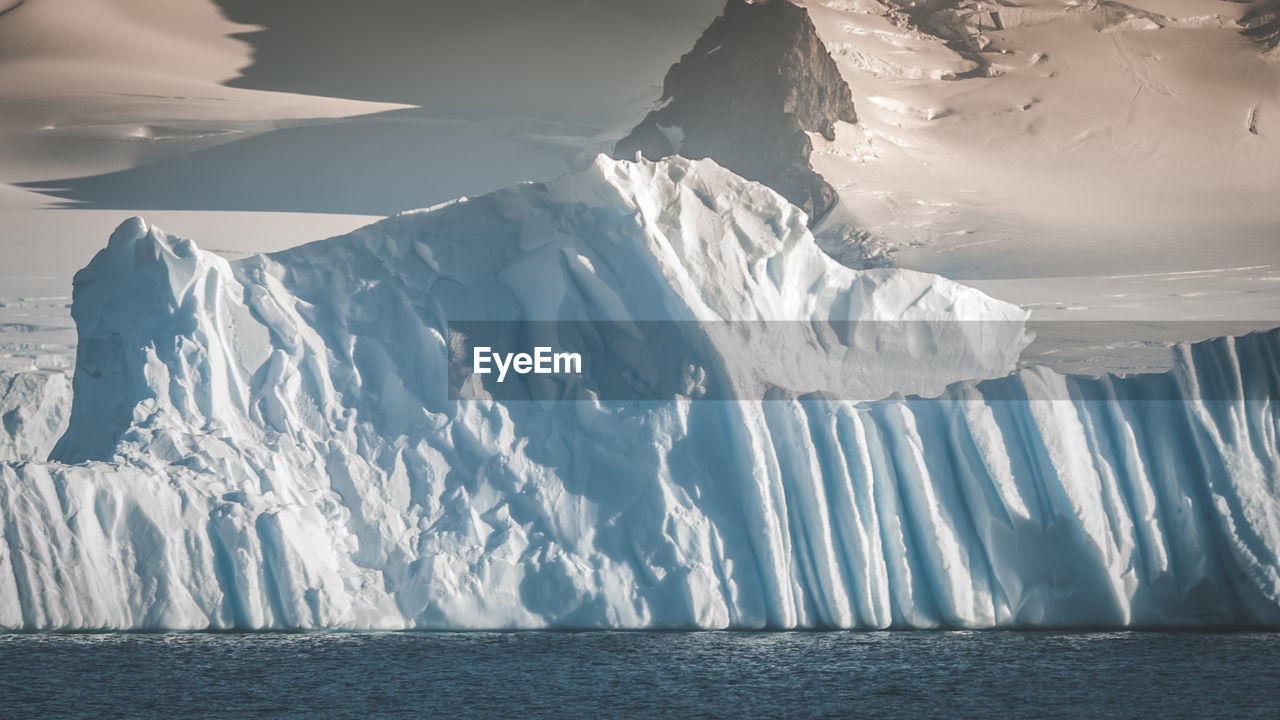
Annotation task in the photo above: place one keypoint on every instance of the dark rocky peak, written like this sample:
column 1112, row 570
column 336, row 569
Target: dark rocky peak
column 1262, row 24
column 757, row 80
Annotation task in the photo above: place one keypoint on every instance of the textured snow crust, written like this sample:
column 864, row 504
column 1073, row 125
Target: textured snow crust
column 269, row 443
column 34, row 408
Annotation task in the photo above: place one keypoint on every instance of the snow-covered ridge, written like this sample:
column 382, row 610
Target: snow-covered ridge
column 268, row 443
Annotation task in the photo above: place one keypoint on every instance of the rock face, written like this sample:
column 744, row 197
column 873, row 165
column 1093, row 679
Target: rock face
column 1262, row 24
column 754, row 84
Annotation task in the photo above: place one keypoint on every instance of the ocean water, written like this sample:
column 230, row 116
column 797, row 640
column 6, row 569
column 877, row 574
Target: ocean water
column 641, row 674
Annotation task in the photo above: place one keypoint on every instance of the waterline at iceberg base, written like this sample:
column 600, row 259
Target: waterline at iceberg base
column 269, row 443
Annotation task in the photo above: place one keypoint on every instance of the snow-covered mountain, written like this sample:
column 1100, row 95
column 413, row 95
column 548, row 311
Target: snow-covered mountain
column 270, row 442
column 1089, row 160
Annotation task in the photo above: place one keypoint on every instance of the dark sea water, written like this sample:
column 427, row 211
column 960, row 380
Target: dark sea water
column 625, row 675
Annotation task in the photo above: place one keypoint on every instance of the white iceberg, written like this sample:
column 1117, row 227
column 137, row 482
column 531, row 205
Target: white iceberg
column 270, row 443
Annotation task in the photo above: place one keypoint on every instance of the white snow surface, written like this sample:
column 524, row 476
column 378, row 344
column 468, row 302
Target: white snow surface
column 34, row 409
column 267, row 443
column 1068, row 150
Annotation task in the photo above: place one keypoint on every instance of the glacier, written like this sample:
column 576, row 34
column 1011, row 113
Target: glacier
column 269, row 443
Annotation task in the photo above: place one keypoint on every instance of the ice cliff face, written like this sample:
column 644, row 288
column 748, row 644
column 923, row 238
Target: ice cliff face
column 269, row 444
column 753, row 85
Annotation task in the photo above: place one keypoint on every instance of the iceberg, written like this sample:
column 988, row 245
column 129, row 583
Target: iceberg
column 270, row 443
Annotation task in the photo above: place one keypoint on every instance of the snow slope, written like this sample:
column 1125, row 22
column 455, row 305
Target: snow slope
column 268, row 443
column 216, row 95
column 88, row 87
column 93, row 87
column 1053, row 138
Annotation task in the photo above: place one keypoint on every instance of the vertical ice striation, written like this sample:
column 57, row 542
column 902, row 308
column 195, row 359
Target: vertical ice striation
column 269, row 443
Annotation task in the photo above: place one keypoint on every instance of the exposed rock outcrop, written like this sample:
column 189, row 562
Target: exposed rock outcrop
column 754, row 84
column 1262, row 24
